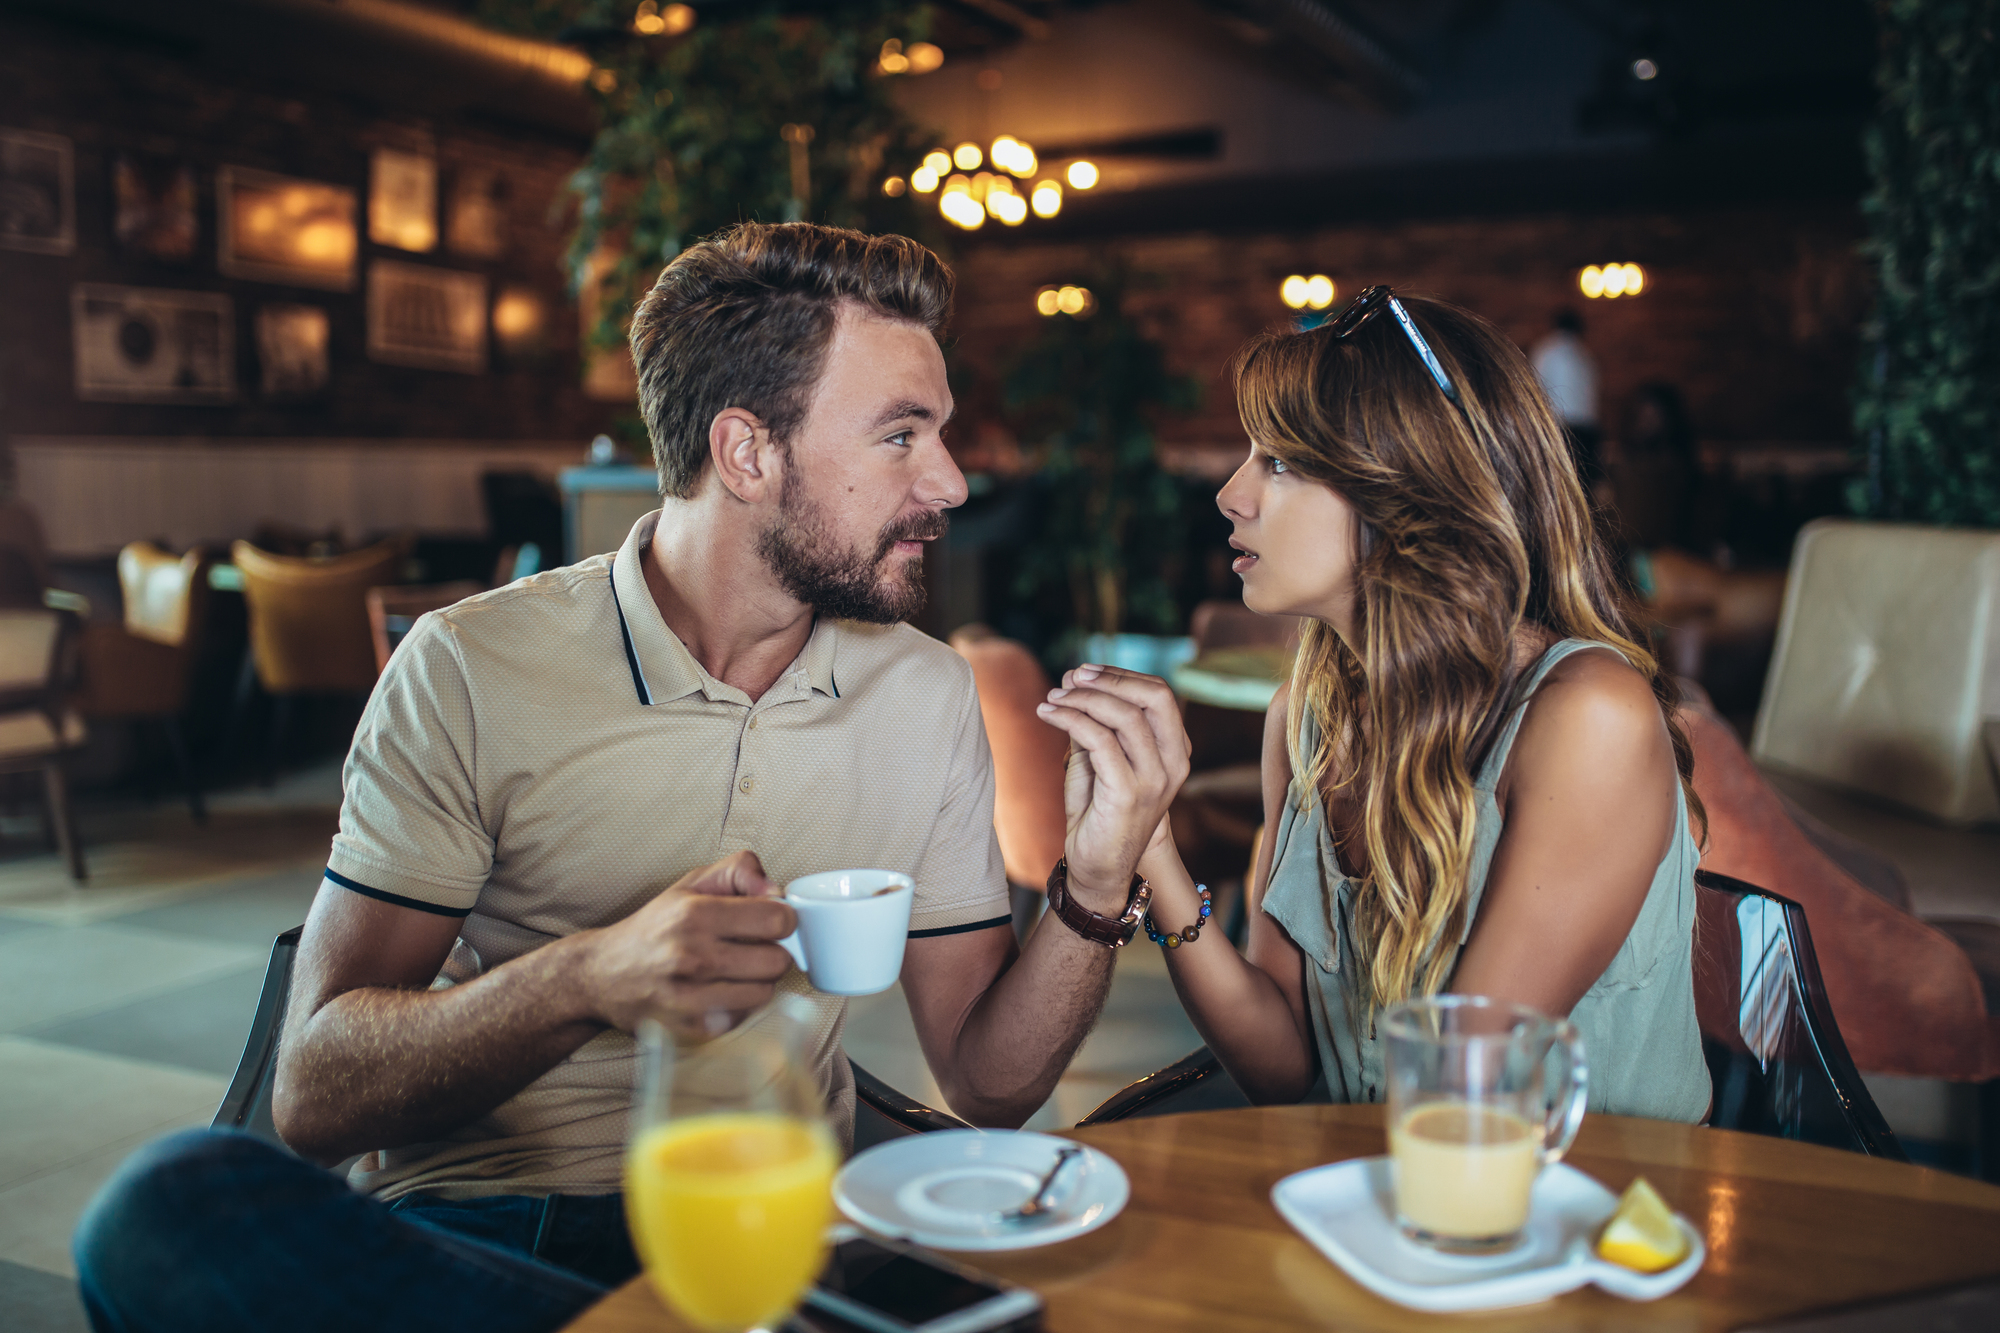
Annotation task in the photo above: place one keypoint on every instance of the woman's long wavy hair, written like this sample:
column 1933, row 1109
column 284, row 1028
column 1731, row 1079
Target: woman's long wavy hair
column 1465, row 536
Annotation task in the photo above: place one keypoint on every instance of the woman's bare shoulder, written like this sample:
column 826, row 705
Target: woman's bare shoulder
column 1594, row 708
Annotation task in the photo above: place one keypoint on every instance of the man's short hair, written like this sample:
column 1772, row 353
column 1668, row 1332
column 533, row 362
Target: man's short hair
column 744, row 318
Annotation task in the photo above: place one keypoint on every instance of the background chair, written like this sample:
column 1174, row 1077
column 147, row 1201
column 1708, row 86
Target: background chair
column 880, row 1112
column 309, row 631
column 142, row 669
column 391, row 611
column 38, row 728
column 1029, row 757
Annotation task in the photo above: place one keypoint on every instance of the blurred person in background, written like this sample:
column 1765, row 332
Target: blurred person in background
column 1568, row 373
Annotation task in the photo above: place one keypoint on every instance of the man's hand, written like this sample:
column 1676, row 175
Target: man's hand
column 707, row 945
column 1128, row 757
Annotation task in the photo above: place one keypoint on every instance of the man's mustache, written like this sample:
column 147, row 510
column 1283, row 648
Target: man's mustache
column 925, row 525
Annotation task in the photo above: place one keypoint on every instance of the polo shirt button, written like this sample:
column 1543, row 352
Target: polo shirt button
column 746, row 785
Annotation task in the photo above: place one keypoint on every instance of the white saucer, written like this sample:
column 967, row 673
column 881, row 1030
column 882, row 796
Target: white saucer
column 942, row 1189
column 1348, row 1212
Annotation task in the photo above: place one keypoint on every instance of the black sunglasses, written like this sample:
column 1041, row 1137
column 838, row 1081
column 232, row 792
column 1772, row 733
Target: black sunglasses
column 1371, row 303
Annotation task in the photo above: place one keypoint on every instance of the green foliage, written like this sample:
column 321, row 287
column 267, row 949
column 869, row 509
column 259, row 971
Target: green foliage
column 692, row 129
column 1929, row 401
column 1110, row 523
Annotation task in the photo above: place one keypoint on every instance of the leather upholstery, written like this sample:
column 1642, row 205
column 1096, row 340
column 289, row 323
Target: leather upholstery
column 143, row 668
column 1906, row 997
column 1888, row 659
column 1029, row 755
column 309, row 617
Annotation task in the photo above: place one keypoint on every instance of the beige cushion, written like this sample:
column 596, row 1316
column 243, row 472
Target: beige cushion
column 28, row 733
column 1887, row 663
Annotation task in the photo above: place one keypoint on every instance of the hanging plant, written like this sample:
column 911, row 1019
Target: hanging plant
column 749, row 114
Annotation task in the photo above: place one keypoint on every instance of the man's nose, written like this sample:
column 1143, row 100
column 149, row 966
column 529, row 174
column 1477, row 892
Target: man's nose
column 942, row 485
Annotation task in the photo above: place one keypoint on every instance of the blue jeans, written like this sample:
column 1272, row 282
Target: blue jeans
column 217, row 1231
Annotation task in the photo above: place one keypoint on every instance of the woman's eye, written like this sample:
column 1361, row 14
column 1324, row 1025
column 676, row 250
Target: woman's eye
column 1278, row 465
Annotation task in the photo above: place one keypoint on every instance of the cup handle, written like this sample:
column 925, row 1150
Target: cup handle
column 1565, row 1114
column 794, row 946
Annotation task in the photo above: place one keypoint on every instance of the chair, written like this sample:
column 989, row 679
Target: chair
column 1885, row 660
column 37, row 726
column 880, row 1112
column 142, row 670
column 309, row 631
column 392, row 611
column 1774, row 1052
column 1029, row 757
column 1776, row 1059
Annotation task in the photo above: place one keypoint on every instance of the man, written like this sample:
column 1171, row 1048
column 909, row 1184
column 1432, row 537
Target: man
column 574, row 799
column 1569, row 374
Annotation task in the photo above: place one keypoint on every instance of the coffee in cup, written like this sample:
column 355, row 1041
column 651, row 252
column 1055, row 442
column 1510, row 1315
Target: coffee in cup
column 853, row 925
column 1472, row 1115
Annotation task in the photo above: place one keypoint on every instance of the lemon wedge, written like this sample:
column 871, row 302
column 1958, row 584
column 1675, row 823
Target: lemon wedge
column 1642, row 1235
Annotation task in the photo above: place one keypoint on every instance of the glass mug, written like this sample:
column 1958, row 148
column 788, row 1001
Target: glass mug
column 729, row 1173
column 1482, row 1094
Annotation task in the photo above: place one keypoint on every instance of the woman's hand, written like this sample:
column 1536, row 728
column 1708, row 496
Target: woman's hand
column 1128, row 757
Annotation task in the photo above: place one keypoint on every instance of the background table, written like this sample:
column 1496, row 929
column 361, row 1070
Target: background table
column 1790, row 1227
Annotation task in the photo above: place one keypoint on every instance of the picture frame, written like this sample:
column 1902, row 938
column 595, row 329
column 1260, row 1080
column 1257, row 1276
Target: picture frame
column 402, row 200
column 153, row 207
column 292, row 350
column 37, row 192
column 281, row 229
column 151, row 345
column 476, row 219
column 431, row 318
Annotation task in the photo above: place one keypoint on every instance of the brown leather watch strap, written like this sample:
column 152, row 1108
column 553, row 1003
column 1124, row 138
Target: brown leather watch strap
column 1113, row 932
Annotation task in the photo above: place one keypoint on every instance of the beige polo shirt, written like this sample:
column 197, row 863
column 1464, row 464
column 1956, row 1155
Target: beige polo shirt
column 547, row 757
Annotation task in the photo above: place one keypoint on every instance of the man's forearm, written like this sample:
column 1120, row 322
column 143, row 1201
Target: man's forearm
column 1023, row 1032
column 379, row 1067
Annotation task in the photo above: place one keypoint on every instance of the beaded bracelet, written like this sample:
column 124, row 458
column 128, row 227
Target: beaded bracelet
column 1188, row 936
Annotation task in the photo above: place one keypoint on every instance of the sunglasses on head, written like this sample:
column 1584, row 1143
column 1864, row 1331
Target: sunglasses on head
column 1371, row 303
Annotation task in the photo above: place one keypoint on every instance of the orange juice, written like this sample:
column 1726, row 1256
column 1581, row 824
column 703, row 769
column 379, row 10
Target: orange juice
column 729, row 1213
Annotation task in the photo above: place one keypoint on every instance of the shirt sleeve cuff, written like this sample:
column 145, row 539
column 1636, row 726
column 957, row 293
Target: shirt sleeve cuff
column 400, row 887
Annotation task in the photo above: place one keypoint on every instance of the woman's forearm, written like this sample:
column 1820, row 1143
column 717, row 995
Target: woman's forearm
column 1240, row 1010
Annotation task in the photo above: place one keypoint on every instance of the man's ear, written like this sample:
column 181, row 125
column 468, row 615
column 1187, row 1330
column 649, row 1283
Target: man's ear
column 746, row 459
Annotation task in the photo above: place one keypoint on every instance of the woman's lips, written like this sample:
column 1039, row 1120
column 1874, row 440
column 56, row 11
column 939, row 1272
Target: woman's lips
column 1242, row 563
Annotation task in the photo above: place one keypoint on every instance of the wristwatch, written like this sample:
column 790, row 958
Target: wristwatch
column 1113, row 932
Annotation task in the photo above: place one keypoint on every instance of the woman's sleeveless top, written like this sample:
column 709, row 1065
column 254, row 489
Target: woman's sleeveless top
column 1638, row 1021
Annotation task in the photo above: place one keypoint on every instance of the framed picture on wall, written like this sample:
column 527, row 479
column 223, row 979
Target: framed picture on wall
column 402, row 200
column 37, row 193
column 152, row 201
column 281, row 229
column 434, row 318
column 147, row 345
column 476, row 221
column 292, row 343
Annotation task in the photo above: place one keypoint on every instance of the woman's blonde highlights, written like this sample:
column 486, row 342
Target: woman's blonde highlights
column 1471, row 527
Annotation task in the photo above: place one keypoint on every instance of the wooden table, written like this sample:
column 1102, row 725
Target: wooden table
column 1790, row 1227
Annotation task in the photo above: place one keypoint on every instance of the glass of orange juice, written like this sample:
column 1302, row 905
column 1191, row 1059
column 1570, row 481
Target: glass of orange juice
column 729, row 1174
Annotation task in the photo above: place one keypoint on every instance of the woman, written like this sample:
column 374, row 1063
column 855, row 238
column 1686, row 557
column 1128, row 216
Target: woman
column 1473, row 781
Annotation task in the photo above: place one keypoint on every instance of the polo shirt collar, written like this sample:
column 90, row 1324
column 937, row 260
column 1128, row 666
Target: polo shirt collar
column 662, row 667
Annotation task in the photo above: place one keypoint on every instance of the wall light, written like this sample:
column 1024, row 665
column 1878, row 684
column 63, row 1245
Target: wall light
column 1611, row 280
column 938, row 163
column 1046, row 199
column 894, row 187
column 1047, row 302
column 923, row 180
column 1082, row 175
column 967, row 157
column 924, row 57
column 1303, row 293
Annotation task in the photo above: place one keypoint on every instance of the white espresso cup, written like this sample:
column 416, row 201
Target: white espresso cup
column 852, row 928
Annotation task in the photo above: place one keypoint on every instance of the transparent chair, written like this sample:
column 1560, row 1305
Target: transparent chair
column 1775, row 1055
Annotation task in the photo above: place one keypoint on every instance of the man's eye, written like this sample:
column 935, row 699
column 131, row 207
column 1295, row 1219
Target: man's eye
column 901, row 438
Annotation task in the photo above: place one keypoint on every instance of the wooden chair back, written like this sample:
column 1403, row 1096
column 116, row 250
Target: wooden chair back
column 166, row 595
column 392, row 611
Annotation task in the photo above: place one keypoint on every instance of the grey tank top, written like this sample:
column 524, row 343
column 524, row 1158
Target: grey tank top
column 1638, row 1022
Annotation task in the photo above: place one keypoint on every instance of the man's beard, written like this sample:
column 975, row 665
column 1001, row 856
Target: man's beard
column 839, row 582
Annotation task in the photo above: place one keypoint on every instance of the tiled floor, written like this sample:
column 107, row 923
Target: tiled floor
column 123, row 1008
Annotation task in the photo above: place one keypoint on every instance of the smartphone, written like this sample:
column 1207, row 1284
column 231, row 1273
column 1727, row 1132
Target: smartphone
column 885, row 1286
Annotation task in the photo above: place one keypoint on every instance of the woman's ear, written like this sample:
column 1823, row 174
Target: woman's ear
column 745, row 457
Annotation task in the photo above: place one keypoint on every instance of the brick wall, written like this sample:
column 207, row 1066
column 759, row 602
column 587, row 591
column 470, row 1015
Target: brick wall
column 1752, row 313
column 109, row 96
